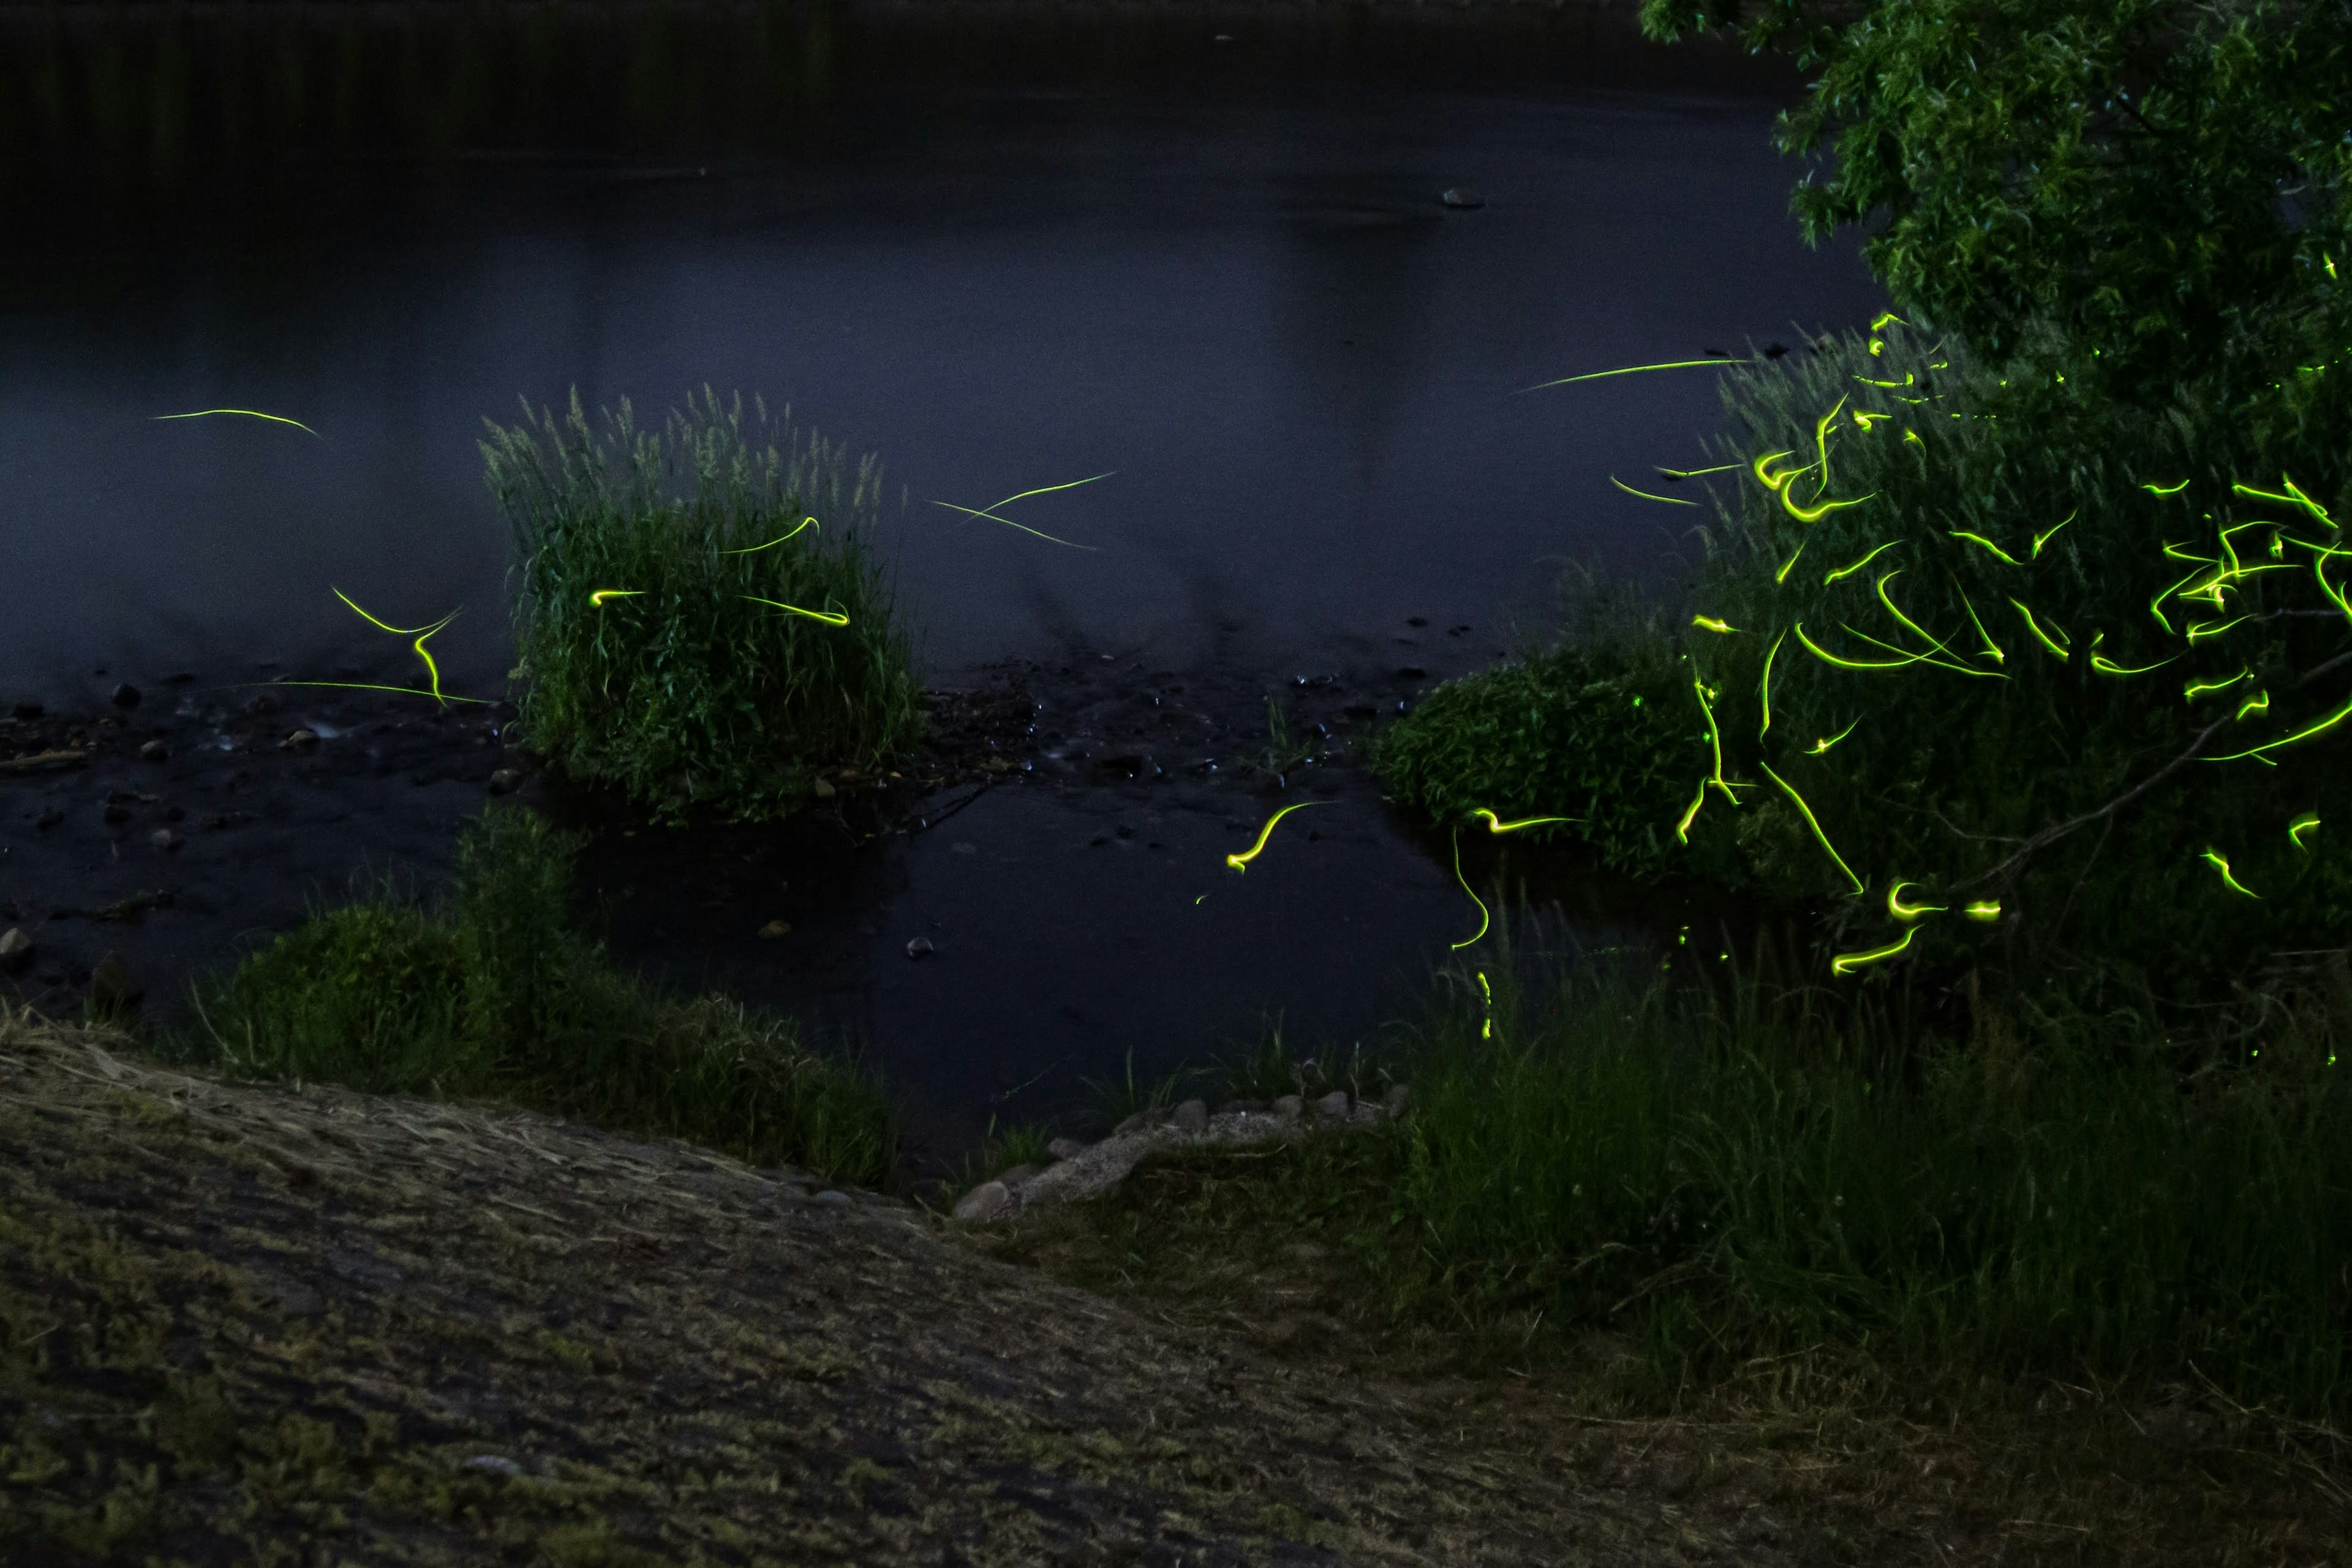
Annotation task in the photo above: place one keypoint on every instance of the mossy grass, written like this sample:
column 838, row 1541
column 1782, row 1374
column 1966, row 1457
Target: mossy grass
column 741, row 648
column 489, row 994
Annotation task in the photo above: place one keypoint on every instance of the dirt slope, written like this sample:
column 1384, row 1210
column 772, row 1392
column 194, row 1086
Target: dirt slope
column 262, row 1324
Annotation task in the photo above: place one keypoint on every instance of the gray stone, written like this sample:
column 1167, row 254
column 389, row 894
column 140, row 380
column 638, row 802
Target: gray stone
column 300, row 741
column 125, row 696
column 1235, row 1107
column 921, row 947
column 1395, row 1099
column 1016, row 1175
column 1289, row 1107
column 154, row 751
column 1333, row 1105
column 983, row 1202
column 824, row 789
column 833, row 1198
column 504, row 781
column 165, row 839
column 15, row 949
column 1461, row 196
column 1060, row 1148
column 1192, row 1116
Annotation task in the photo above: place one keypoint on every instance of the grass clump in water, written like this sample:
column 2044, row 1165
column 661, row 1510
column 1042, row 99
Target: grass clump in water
column 740, row 647
column 491, row 995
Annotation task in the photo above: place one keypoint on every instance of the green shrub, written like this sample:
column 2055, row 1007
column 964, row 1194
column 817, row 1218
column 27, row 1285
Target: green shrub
column 741, row 647
column 492, row 996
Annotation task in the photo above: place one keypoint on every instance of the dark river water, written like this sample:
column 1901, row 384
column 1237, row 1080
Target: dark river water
column 1003, row 250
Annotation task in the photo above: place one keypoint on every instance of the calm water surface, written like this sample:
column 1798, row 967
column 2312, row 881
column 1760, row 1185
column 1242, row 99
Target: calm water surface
column 1218, row 273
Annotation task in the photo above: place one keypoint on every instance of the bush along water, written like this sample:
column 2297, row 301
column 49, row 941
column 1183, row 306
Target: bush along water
column 492, row 995
column 700, row 618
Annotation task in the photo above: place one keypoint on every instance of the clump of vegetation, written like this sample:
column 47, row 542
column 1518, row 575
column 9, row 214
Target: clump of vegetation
column 700, row 620
column 491, row 995
column 1288, row 747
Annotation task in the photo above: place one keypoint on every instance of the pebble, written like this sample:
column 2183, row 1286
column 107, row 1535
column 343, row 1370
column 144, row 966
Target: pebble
column 166, row 840
column 301, row 740
column 832, row 1197
column 825, row 790
column 921, row 947
column 1461, row 196
column 775, row 929
column 125, row 696
column 1192, row 1116
column 154, row 751
column 15, row 948
column 1060, row 1148
column 983, row 1202
column 1333, row 1105
column 504, row 781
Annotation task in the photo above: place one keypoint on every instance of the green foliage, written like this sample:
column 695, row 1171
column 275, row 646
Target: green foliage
column 492, row 995
column 2162, row 179
column 697, row 686
column 1746, row 1171
column 1571, row 733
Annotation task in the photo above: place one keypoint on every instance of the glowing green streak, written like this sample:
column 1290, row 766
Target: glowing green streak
column 1890, row 316
column 2213, row 628
column 1629, row 370
column 2196, row 689
column 365, row 686
column 1670, row 500
column 1822, row 743
column 1922, row 632
column 1241, row 862
column 1815, row 514
column 805, row 523
column 2222, row 866
column 1989, row 545
column 1903, row 911
column 1694, row 473
column 1846, row 962
column 1828, row 658
column 248, row 413
column 1764, row 686
column 2163, row 491
column 431, row 670
column 2301, row 826
column 2304, row 734
column 2035, row 628
column 2041, row 539
column 1712, row 624
column 1987, row 910
column 1494, row 825
column 2259, row 702
column 1814, row 824
column 2155, row 606
column 830, row 618
column 1486, row 991
column 1714, row 739
column 1022, row 526
column 1923, row 658
column 2107, row 666
column 1782, row 575
column 1990, row 646
column 1483, row 918
column 2294, row 496
column 1773, row 481
column 1682, row 828
column 1850, row 571
column 600, row 594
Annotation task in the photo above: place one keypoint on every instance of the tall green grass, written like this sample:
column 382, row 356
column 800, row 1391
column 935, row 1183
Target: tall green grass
column 1743, row 1170
column 692, row 685
column 489, row 994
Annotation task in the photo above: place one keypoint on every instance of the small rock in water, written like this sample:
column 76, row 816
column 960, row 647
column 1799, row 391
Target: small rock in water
column 504, row 781
column 1192, row 1116
column 15, row 949
column 983, row 1202
column 833, row 1198
column 1333, row 1105
column 154, row 751
column 823, row 789
column 166, row 840
column 125, row 696
column 1463, row 196
column 300, row 741
column 775, row 929
column 921, row 947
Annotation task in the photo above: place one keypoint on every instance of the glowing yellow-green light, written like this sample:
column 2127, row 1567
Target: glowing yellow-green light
column 1682, row 828
column 2043, row 537
column 1494, row 825
column 1670, row 500
column 1483, row 918
column 600, row 594
column 1782, row 575
column 369, row 686
column 1711, row 623
column 1989, row 545
column 1903, row 911
column 2302, row 825
column 431, row 670
column 2166, row 490
column 2293, row 497
column 1984, row 909
column 1694, row 473
column 2259, row 702
column 2200, row 630
column 1850, row 571
column 1887, row 316
column 1846, row 962
column 830, row 618
column 1764, row 686
column 989, row 512
column 1826, row 742
column 249, row 414
column 1814, row 823
column 1487, row 993
column 1628, row 369
column 2213, row 858
column 2196, row 689
column 1815, row 513
column 2035, row 628
column 2303, row 734
column 1241, row 862
column 805, row 522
